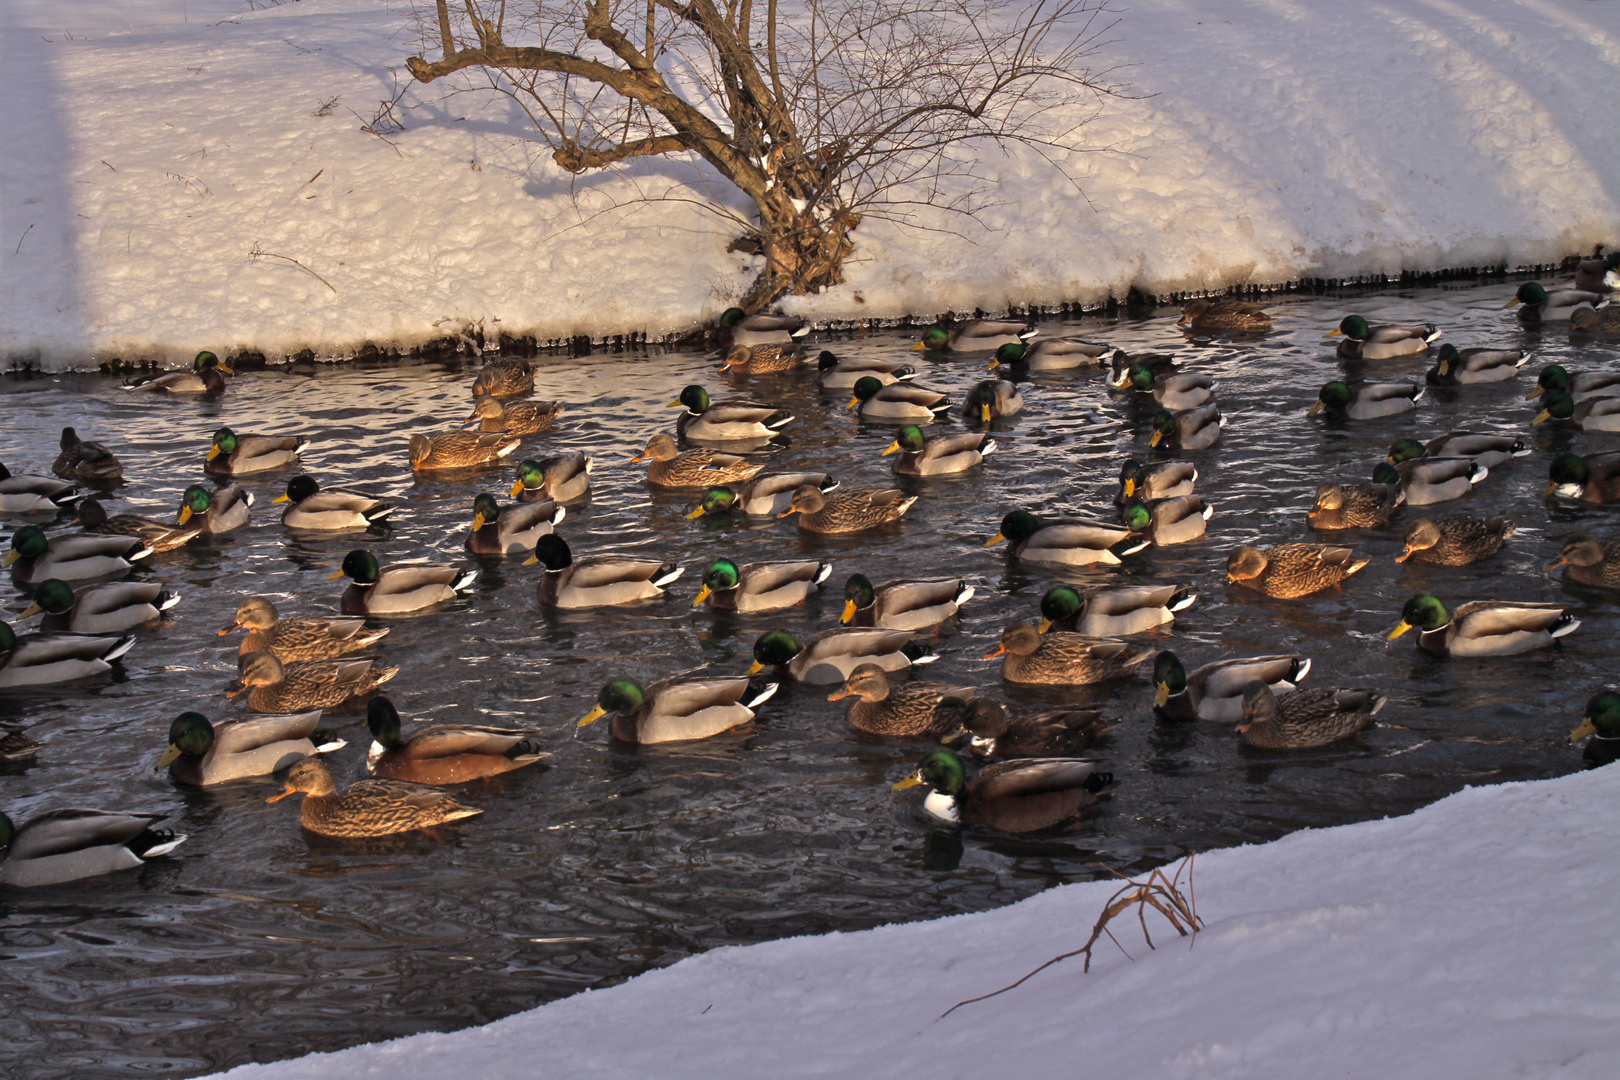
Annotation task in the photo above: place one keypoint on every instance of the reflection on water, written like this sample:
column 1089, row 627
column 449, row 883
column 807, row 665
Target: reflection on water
column 258, row 941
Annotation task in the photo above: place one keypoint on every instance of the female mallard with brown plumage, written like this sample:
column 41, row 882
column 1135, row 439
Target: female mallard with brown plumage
column 902, row 605
column 764, row 496
column 906, row 711
column 1289, row 570
column 510, row 530
column 565, row 478
column 695, row 468
column 158, row 535
column 1354, row 506
column 397, row 589
column 202, row 753
column 939, row 456
column 1305, row 719
column 1454, row 541
column 1113, row 610
column 444, row 753
column 1484, row 627
column 1063, row 659
column 1590, row 320
column 762, row 359
column 86, row 462
column 1224, row 314
column 1019, row 796
column 1589, row 561
column 755, row 587
column 847, row 511
column 504, row 379
column 294, row 640
column 274, row 687
column 1055, row 733
column 596, row 580
column 366, row 807
column 459, row 450
column 516, row 417
column 234, row 455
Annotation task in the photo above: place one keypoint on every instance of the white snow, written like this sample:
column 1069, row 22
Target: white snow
column 1475, row 938
column 153, row 146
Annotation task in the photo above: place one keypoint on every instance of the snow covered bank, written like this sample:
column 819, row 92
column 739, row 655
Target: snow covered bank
column 1473, row 938
column 184, row 174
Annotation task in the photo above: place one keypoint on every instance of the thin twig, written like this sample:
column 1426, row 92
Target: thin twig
column 24, row 236
column 258, row 253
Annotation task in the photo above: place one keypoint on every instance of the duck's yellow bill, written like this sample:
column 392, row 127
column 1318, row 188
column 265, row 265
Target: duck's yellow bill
column 1130, row 488
column 1510, row 303
column 676, row 404
column 1122, row 382
column 185, row 514
column 1586, row 728
column 213, row 452
column 984, row 413
column 167, row 759
column 289, row 790
column 1314, row 409
column 1161, row 694
column 994, row 540
column 919, row 347
column 31, row 611
column 1046, row 624
column 703, row 594
column 849, row 612
column 283, row 497
column 334, row 575
column 593, row 716
column 909, row 782
column 478, row 522
column 517, row 489
column 755, row 668
column 894, row 448
column 694, row 515
column 1551, row 487
column 1542, row 417
column 853, row 402
column 531, row 560
column 1157, row 437
column 1335, row 332
column 11, row 557
column 1400, row 629
column 1532, row 395
column 226, row 370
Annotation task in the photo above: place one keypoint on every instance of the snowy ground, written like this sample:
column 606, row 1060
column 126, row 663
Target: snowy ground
column 154, row 145
column 1474, row 938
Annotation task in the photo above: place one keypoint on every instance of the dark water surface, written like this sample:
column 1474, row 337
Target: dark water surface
column 258, row 941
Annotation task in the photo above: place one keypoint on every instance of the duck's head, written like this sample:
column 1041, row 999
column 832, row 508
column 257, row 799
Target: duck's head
column 485, row 408
column 1017, row 526
column 1245, row 564
column 1259, row 706
column 983, row 719
column 1566, row 476
column 1447, row 358
column 224, row 443
column 1554, row 379
column 980, row 401
column 858, row 595
column 935, row 338
column 694, row 399
column 1578, row 551
column 1135, row 515
column 312, row 776
column 28, row 542
column 382, row 720
column 661, row 447
column 190, row 735
column 867, row 682
column 1169, row 677
column 1136, row 376
column 1019, row 639
column 1328, row 497
column 1530, row 293
column 717, row 500
column 807, row 499
column 721, row 576
column 1060, row 602
column 531, row 474
column 552, row 550
column 485, row 510
column 299, row 488
column 258, row 669
column 1353, row 327
column 53, row 596
column 1423, row 611
column 1334, row 395
column 359, row 564
column 826, row 360
column 1556, row 406
column 732, row 316
column 69, row 439
column 1602, row 717
column 1404, row 450
column 1131, row 476
column 255, row 613
column 92, row 514
column 207, row 361
column 1422, row 536
column 196, row 500
column 774, row 648
column 617, row 696
column 1385, row 473
column 1164, row 426
column 865, row 388
column 1012, row 354
column 941, row 770
column 736, row 356
column 909, row 438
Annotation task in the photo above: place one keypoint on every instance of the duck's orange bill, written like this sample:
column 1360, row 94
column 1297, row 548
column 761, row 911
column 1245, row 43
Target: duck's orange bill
column 1000, row 649
column 290, row 790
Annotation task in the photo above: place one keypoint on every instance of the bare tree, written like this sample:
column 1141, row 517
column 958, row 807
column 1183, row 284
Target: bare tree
column 820, row 112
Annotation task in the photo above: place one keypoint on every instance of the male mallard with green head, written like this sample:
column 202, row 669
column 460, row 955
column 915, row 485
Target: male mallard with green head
column 1019, row 796
column 1483, row 627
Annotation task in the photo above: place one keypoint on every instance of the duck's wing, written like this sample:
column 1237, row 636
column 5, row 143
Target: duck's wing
column 254, row 731
column 450, row 740
column 1030, row 776
column 62, row 832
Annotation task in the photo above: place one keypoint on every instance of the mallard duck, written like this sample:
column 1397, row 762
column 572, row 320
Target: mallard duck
column 274, row 687
column 86, row 462
column 907, row 711
column 202, row 753
column 66, row 845
column 444, row 753
column 459, row 449
column 1062, row 659
column 1174, row 390
column 767, row 497
column 939, row 456
column 596, row 580
column 28, row 494
column 1055, row 733
column 1483, row 627
column 847, row 511
column 1075, row 543
column 1489, row 450
column 696, row 468
column 1556, row 379
column 1601, row 273
column 1593, row 414
column 509, row 530
column 1588, row 561
column 1215, row 691
column 897, row 403
column 1113, row 610
column 1051, row 354
column 1540, row 306
column 1594, row 478
column 234, row 455
column 842, row 374
column 292, row 640
column 367, row 807
column 745, row 329
column 1161, row 480
column 830, row 656
column 974, row 335
column 762, row 359
column 400, row 588
column 160, row 536
column 991, row 398
column 16, row 748
column 1354, row 506
column 1454, row 541
column 46, row 659
column 1167, row 521
column 515, row 418
column 1305, row 719
column 331, row 510
column 203, row 378
column 674, row 710
column 99, row 609
column 1463, row 367
column 1427, row 480
column 1223, row 314
column 902, row 605
column 755, row 587
column 219, row 512
column 1365, row 400
column 1600, row 727
column 1590, row 320
column 1365, row 342
column 731, row 420
column 563, row 479
column 504, row 379
column 1019, row 796
column 1188, row 429
column 1289, row 570
column 71, row 558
